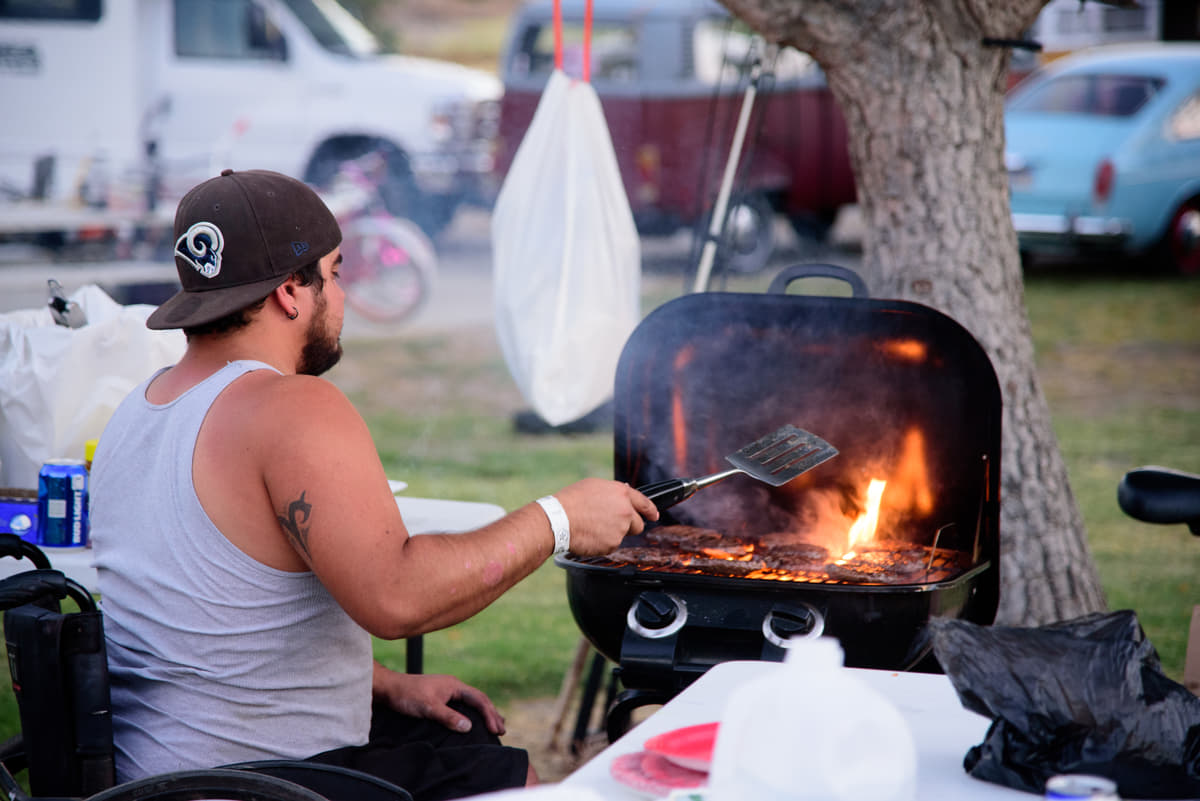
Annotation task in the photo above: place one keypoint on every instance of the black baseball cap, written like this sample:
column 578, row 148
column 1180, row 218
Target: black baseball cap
column 237, row 237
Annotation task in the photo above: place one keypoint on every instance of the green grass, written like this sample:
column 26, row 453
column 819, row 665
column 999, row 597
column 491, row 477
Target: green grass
column 1120, row 364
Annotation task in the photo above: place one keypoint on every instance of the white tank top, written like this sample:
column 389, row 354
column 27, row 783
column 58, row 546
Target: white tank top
column 214, row 657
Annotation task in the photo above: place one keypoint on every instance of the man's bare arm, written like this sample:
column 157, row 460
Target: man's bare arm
column 295, row 524
column 333, row 504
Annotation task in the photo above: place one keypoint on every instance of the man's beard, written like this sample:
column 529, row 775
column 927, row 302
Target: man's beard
column 323, row 349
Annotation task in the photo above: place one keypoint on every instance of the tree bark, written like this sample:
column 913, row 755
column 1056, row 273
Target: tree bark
column 923, row 98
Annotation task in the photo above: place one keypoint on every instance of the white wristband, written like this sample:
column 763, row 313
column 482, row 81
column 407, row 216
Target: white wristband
column 558, row 523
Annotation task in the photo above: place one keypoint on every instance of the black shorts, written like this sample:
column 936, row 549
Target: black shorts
column 429, row 760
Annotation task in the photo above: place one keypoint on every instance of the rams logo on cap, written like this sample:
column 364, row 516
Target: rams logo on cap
column 201, row 247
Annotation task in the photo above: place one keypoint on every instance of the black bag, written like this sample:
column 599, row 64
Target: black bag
column 59, row 669
column 1082, row 696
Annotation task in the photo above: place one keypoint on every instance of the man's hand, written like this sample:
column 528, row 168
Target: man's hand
column 428, row 696
column 601, row 513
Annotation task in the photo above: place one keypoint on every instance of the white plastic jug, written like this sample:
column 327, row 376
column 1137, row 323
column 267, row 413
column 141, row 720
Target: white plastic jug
column 810, row 729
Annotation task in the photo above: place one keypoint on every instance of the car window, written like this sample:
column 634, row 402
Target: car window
column 1185, row 122
column 335, row 28
column 1093, row 94
column 226, row 29
column 614, row 52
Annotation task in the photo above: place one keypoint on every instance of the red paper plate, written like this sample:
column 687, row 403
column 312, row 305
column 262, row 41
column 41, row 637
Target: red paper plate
column 653, row 774
column 690, row 747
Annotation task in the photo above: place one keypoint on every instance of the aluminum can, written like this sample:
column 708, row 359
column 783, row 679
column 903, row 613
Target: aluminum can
column 62, row 504
column 1076, row 786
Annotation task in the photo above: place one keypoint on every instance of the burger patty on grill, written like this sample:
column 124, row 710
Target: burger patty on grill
column 653, row 556
column 686, row 538
column 801, row 551
column 727, row 567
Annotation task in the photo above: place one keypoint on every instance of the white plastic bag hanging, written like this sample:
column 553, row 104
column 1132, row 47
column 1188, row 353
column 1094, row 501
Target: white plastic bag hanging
column 567, row 259
column 59, row 386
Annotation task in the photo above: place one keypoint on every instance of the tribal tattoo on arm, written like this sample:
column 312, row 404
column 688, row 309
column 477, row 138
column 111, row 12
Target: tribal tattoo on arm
column 298, row 512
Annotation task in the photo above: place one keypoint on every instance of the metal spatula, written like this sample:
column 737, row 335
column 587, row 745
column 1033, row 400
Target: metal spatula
column 776, row 459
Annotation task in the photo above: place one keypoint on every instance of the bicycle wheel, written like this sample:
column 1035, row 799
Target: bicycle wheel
column 196, row 785
column 387, row 267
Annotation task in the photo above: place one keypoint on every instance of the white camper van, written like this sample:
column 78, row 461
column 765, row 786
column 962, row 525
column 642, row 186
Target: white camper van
column 107, row 102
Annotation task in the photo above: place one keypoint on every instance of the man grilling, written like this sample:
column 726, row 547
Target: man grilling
column 248, row 544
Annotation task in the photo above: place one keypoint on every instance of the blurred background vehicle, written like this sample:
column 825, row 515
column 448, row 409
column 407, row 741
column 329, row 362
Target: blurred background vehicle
column 1064, row 26
column 670, row 76
column 151, row 96
column 1103, row 155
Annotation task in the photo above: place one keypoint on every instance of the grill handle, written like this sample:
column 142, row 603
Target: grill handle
column 793, row 272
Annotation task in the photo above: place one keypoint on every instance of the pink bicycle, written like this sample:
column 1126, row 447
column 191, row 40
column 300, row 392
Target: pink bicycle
column 388, row 263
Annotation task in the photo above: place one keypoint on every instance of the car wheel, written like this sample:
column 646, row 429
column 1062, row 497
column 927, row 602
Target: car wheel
column 749, row 233
column 1181, row 244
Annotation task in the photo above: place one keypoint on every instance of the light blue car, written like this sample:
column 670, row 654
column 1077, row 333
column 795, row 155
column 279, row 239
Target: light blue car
column 1103, row 155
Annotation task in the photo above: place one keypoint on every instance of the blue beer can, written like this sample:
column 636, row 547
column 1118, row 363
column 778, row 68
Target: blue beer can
column 62, row 504
column 1081, row 786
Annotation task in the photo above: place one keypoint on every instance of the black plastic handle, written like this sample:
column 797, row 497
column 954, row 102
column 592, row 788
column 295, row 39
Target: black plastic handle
column 17, row 548
column 1161, row 495
column 666, row 494
column 794, row 272
column 32, row 586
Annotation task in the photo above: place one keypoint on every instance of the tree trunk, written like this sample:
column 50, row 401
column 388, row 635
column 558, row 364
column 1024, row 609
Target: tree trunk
column 923, row 101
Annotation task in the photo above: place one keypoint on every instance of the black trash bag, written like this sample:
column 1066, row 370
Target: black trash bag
column 1081, row 696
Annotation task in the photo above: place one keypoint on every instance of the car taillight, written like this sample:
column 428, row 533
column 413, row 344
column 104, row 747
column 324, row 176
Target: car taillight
column 649, row 169
column 1105, row 177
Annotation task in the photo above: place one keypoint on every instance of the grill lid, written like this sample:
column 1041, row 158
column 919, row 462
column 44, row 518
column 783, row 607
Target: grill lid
column 705, row 373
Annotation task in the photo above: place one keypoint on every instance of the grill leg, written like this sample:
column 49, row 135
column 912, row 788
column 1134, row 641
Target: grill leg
column 570, row 684
column 414, row 654
column 590, row 688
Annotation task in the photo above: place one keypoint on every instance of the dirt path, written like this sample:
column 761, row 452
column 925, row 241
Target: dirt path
column 529, row 725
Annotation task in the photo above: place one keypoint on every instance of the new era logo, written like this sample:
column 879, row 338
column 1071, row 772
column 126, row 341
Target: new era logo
column 299, row 248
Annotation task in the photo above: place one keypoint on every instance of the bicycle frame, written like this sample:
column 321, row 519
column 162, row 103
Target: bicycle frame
column 388, row 264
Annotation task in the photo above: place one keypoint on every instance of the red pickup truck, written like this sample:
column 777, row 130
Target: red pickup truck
column 671, row 76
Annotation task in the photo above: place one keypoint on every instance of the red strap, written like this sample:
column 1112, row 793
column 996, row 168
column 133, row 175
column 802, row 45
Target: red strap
column 558, row 46
column 587, row 38
column 587, row 41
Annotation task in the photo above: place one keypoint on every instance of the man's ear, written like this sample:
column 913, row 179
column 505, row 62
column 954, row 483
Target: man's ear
column 285, row 295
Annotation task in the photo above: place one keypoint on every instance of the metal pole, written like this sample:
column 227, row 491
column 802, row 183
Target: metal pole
column 717, row 221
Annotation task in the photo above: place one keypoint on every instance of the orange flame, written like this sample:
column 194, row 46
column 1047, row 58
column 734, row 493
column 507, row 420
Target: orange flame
column 678, row 419
column 910, row 480
column 863, row 529
column 907, row 350
column 746, row 554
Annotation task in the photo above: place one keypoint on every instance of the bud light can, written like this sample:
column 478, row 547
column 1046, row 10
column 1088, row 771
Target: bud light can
column 62, row 504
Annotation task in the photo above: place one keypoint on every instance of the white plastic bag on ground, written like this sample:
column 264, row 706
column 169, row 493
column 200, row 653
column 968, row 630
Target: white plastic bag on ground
column 59, row 386
column 567, row 259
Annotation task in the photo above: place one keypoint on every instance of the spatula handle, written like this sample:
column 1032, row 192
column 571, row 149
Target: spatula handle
column 666, row 494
